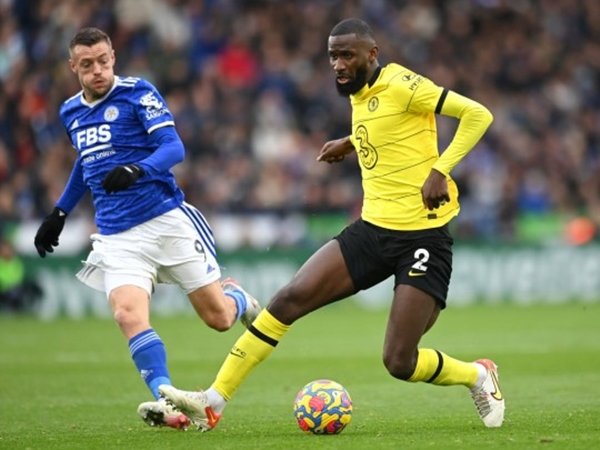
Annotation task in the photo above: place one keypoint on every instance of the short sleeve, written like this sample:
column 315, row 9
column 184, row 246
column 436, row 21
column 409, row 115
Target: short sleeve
column 151, row 108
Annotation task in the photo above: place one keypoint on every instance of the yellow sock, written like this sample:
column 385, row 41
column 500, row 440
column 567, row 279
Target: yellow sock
column 252, row 347
column 438, row 368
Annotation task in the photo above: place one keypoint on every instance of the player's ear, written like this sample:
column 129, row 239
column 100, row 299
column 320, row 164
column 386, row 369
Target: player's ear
column 72, row 65
column 373, row 53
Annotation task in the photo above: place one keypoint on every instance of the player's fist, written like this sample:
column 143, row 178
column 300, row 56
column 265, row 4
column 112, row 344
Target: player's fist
column 46, row 237
column 336, row 150
column 435, row 190
column 121, row 177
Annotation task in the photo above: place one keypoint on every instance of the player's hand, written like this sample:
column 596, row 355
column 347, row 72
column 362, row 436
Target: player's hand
column 435, row 190
column 336, row 150
column 46, row 237
column 121, row 177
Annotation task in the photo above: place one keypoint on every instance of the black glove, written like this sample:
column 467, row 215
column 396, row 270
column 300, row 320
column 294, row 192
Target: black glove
column 121, row 177
column 47, row 235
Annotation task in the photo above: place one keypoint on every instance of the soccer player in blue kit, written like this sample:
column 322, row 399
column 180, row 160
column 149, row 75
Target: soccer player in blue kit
column 126, row 143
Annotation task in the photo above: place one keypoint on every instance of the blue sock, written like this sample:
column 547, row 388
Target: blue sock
column 240, row 302
column 149, row 355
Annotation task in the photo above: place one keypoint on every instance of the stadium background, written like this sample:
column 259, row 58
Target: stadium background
column 253, row 96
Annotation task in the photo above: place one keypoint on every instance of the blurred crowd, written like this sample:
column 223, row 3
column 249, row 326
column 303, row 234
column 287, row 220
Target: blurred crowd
column 254, row 100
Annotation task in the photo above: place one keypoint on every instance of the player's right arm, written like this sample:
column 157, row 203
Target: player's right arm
column 335, row 150
column 74, row 190
column 47, row 235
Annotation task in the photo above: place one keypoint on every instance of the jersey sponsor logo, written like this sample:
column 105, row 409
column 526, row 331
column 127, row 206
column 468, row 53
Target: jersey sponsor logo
column 154, row 107
column 111, row 113
column 373, row 104
column 366, row 152
column 416, row 83
column 416, row 80
column 92, row 136
column 98, row 155
column 74, row 125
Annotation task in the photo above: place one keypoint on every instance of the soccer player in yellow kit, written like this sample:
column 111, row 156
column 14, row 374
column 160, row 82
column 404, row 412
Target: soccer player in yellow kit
column 409, row 198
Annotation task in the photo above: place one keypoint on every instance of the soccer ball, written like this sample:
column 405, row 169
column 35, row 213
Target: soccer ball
column 323, row 407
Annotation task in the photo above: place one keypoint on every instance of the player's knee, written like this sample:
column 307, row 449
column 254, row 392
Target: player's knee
column 400, row 366
column 288, row 303
column 126, row 318
column 292, row 292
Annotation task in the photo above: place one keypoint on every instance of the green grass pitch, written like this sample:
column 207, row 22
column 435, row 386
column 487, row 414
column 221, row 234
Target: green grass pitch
column 70, row 384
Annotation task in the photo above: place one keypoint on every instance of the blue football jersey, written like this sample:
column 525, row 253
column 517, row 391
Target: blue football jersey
column 113, row 131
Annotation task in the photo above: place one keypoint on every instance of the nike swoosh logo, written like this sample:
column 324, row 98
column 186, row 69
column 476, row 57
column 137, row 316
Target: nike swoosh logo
column 496, row 394
column 212, row 418
column 416, row 274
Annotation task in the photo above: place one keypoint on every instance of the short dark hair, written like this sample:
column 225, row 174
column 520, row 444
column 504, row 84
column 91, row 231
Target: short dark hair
column 353, row 26
column 88, row 37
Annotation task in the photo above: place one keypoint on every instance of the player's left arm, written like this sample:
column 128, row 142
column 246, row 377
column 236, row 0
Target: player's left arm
column 169, row 151
column 474, row 120
column 154, row 115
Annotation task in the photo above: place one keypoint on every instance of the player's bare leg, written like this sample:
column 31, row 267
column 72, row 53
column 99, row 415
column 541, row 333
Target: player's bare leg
column 321, row 280
column 220, row 304
column 413, row 313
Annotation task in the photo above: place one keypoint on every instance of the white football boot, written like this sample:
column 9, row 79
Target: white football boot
column 488, row 397
column 194, row 404
column 160, row 413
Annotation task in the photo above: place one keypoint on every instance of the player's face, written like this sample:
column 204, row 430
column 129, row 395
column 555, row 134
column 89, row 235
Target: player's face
column 351, row 59
column 94, row 67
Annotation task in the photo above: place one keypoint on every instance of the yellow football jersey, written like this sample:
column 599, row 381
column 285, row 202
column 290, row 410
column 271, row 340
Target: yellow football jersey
column 395, row 137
